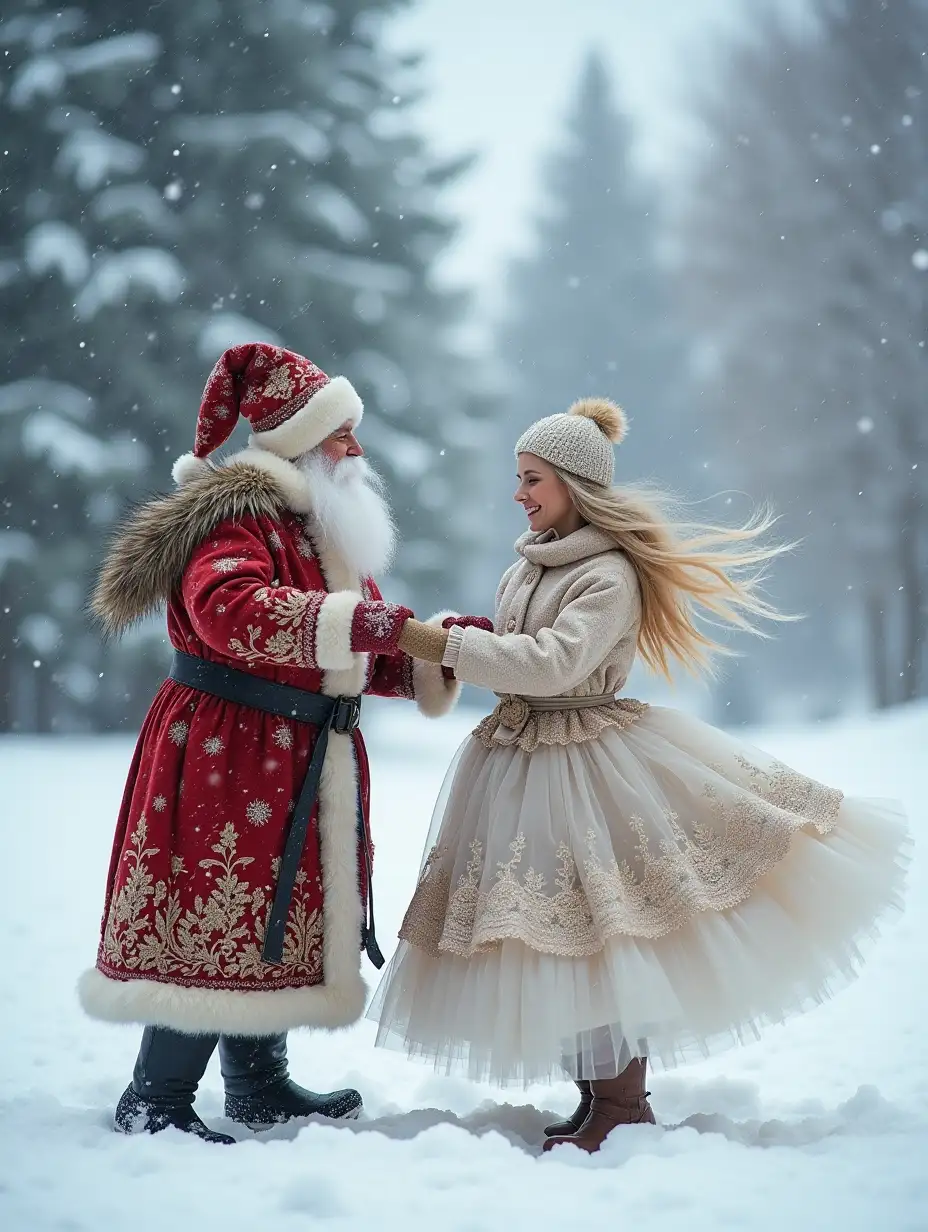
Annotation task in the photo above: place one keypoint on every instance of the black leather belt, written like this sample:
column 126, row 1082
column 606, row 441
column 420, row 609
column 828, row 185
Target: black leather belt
column 338, row 714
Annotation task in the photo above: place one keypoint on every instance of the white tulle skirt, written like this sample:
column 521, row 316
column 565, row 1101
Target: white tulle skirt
column 662, row 890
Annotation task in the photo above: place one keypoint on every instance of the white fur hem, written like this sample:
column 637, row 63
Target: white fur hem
column 188, row 467
column 335, row 1003
column 204, row 1010
column 330, row 407
column 333, row 650
column 435, row 696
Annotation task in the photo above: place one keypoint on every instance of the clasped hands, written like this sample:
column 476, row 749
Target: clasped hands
column 428, row 642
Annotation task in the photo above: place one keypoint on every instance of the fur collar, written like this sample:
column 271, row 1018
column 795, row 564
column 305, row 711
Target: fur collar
column 146, row 559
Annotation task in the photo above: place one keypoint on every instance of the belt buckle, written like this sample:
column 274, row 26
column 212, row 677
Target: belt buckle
column 347, row 715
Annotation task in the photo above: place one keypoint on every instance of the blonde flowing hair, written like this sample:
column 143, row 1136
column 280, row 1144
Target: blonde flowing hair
column 687, row 570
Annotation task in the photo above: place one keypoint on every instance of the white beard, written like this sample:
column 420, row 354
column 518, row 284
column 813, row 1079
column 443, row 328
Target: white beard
column 350, row 512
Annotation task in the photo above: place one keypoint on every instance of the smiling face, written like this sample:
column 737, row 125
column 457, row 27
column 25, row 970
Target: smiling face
column 545, row 498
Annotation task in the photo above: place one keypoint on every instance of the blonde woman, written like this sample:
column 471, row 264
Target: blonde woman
column 608, row 882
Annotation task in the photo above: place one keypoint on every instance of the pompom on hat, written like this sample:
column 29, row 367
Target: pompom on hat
column 291, row 404
column 580, row 442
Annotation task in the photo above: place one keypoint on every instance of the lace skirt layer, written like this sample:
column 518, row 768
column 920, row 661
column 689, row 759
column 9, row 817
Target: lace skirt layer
column 663, row 889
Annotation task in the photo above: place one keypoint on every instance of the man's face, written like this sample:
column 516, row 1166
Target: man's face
column 341, row 444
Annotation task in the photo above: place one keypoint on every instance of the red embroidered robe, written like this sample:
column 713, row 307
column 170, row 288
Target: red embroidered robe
column 212, row 784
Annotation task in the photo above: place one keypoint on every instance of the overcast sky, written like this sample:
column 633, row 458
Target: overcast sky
column 500, row 76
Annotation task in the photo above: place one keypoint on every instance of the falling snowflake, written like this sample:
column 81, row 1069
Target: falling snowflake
column 227, row 564
column 258, row 812
column 160, row 803
column 177, row 732
column 283, row 737
column 213, row 745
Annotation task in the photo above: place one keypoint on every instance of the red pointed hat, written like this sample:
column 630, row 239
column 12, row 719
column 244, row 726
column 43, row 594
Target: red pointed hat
column 291, row 404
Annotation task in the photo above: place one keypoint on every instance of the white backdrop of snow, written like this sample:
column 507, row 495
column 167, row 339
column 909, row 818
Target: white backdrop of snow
column 822, row 1124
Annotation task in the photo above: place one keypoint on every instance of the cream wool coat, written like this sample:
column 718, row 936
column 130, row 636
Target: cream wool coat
column 571, row 610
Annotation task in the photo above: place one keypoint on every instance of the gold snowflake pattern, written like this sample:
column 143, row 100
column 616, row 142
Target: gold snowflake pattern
column 159, row 804
column 258, row 812
column 306, row 549
column 227, row 564
column 275, row 540
column 279, row 384
column 283, row 737
column 213, row 745
column 177, row 732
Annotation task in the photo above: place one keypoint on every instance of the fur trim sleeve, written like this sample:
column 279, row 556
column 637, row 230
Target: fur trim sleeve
column 333, row 650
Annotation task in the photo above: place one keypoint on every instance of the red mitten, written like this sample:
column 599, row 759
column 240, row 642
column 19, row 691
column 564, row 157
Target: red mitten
column 468, row 622
column 464, row 622
column 376, row 626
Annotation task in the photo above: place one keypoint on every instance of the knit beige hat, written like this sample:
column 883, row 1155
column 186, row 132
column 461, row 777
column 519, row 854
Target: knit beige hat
column 581, row 441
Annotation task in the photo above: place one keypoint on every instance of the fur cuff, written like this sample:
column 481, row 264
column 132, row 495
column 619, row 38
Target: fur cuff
column 332, row 651
column 435, row 695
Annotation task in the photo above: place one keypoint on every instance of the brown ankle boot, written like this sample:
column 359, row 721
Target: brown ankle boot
column 616, row 1101
column 577, row 1117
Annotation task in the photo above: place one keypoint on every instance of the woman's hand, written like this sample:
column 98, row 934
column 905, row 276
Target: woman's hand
column 468, row 622
column 464, row 622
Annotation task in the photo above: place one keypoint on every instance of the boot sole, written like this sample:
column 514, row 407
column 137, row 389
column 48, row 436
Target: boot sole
column 258, row 1127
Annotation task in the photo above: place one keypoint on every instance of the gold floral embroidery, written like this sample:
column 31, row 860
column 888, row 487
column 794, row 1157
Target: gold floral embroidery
column 177, row 732
column 221, row 936
column 713, row 865
column 288, row 609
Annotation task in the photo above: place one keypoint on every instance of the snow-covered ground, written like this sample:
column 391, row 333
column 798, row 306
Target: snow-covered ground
column 823, row 1124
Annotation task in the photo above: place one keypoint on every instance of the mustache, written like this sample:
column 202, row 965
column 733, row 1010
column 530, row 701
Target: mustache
column 345, row 471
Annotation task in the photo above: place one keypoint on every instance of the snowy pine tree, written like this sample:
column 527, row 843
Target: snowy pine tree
column 180, row 179
column 589, row 305
column 82, row 281
column 805, row 243
column 310, row 215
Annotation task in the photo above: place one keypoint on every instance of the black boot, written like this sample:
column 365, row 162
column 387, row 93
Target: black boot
column 259, row 1090
column 164, row 1085
column 571, row 1124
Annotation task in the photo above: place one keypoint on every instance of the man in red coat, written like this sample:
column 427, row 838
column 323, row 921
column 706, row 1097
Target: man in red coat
column 238, row 896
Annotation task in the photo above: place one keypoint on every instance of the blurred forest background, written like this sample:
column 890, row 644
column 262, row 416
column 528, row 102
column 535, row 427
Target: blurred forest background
column 180, row 176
